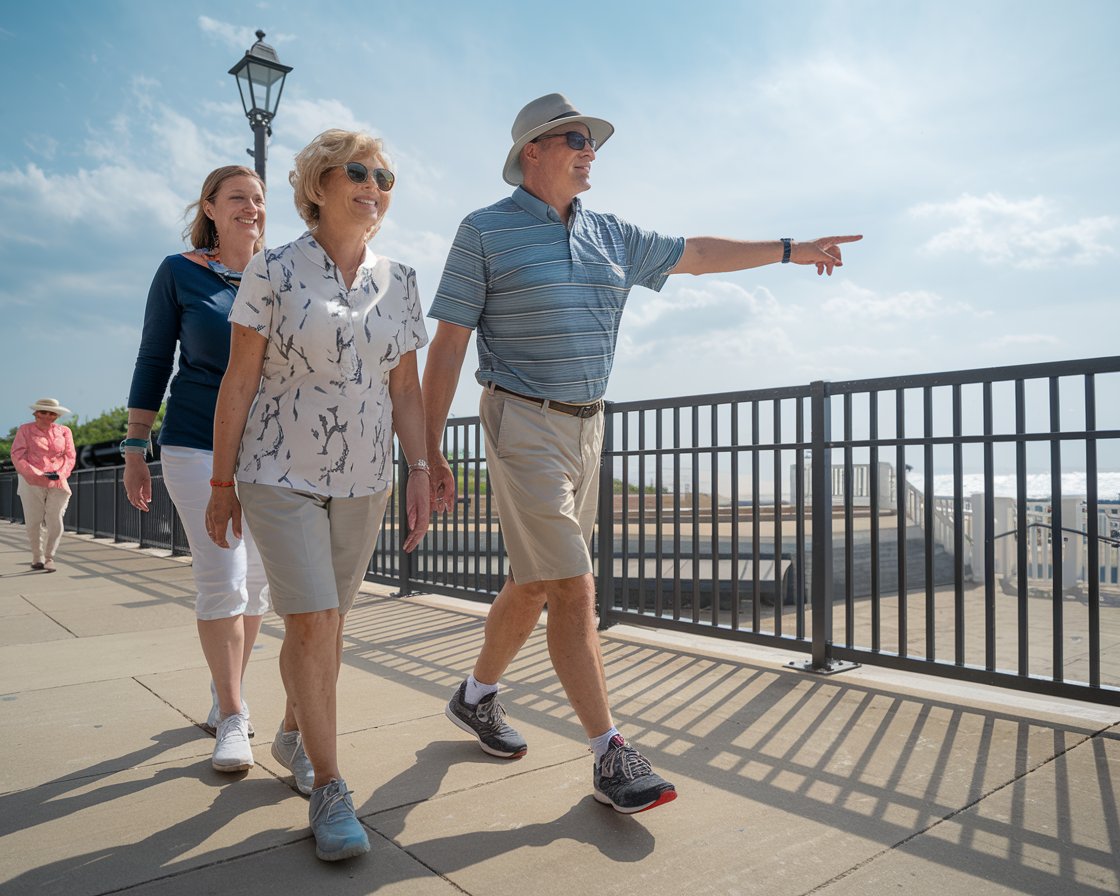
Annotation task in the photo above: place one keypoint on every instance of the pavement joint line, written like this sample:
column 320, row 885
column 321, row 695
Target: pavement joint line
column 959, row 811
column 419, row 861
column 39, row 609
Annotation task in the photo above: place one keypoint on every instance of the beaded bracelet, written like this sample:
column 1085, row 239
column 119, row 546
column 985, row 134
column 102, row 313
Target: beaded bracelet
column 220, row 483
column 421, row 466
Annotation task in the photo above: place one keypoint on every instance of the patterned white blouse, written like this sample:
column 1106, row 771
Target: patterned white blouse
column 322, row 418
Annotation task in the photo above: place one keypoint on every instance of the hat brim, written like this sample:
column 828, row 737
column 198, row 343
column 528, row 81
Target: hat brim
column 61, row 411
column 600, row 129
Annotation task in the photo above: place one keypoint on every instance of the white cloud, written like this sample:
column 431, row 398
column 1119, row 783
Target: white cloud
column 866, row 305
column 1027, row 233
column 112, row 195
column 706, row 300
column 239, row 37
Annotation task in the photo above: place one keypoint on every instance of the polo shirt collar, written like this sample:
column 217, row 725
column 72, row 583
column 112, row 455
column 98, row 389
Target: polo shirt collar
column 540, row 209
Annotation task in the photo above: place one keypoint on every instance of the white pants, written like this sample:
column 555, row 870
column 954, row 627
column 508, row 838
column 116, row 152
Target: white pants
column 230, row 581
column 42, row 508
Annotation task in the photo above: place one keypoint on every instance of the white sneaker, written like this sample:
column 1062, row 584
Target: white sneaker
column 211, row 724
column 287, row 749
column 231, row 749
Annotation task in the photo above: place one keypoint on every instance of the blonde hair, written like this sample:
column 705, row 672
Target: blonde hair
column 201, row 232
column 332, row 149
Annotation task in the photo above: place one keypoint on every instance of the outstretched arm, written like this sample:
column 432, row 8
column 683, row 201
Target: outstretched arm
column 715, row 255
column 441, row 377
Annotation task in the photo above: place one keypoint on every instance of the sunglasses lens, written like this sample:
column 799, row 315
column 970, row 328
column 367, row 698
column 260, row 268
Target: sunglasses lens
column 359, row 173
column 577, row 141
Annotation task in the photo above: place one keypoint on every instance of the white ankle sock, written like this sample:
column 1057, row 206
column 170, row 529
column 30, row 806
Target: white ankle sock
column 476, row 690
column 600, row 744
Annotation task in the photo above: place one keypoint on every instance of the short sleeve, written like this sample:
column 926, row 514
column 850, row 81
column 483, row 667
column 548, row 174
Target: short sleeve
column 651, row 256
column 416, row 333
column 462, row 288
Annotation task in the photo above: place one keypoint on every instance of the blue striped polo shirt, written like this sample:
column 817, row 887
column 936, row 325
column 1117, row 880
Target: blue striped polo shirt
column 546, row 299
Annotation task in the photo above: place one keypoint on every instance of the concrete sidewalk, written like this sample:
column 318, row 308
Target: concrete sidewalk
column 866, row 782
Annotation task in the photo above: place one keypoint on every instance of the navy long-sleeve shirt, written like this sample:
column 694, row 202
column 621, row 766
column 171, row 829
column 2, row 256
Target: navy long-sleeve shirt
column 188, row 305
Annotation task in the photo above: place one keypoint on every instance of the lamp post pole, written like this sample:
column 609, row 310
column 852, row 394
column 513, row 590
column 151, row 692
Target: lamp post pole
column 260, row 80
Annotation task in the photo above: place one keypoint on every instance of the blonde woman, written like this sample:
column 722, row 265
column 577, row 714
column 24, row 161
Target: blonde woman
column 322, row 371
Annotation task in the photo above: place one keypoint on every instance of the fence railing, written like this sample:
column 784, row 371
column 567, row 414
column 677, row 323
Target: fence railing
column 831, row 519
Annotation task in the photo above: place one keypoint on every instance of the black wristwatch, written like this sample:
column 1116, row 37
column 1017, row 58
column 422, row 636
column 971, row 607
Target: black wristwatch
column 787, row 246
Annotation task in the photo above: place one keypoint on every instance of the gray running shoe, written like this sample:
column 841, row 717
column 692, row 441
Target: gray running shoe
column 289, row 752
column 211, row 724
column 232, row 752
column 625, row 780
column 486, row 720
column 338, row 833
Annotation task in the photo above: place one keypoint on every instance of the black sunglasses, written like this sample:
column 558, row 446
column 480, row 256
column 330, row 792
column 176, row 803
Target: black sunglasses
column 575, row 139
column 359, row 174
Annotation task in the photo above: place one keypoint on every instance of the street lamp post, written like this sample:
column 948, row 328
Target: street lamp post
column 260, row 79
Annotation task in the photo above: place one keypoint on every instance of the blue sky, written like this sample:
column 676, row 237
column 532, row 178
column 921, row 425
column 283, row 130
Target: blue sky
column 973, row 144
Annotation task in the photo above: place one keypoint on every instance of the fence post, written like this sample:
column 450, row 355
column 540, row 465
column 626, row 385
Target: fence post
column 605, row 521
column 820, row 414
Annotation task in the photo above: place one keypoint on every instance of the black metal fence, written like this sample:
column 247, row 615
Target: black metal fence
column 922, row 523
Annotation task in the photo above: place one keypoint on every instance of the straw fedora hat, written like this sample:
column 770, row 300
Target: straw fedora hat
column 540, row 116
column 52, row 405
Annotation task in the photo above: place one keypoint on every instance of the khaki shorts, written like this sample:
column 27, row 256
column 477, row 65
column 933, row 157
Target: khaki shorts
column 316, row 550
column 544, row 470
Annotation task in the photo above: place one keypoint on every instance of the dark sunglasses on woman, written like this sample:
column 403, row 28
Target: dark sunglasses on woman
column 359, row 174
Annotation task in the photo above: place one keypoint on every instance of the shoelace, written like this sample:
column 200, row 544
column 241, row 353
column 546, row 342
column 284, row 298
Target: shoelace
column 328, row 804
column 491, row 713
column 228, row 729
column 625, row 758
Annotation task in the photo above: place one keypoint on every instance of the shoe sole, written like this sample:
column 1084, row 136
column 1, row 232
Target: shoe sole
column 349, row 852
column 666, row 796
column 459, row 723
column 239, row 767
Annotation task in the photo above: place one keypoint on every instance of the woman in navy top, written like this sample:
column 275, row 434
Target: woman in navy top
column 187, row 310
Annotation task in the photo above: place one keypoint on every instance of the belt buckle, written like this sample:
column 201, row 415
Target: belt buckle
column 588, row 410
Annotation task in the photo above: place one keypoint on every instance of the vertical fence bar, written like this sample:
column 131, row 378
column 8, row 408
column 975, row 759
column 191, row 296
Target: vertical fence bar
column 928, row 541
column 1057, row 536
column 605, row 523
column 1022, row 534
column 958, row 530
column 799, row 512
column 713, row 471
column 736, row 573
column 849, row 526
column 756, row 523
column 873, row 438
column 989, row 535
column 901, row 496
column 1092, row 519
column 643, row 603
column 779, row 592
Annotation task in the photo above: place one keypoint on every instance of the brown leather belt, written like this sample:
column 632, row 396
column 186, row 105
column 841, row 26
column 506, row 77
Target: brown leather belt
column 573, row 410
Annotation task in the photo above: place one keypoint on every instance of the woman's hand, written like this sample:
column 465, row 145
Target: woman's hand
column 223, row 509
column 419, row 505
column 137, row 481
column 443, row 484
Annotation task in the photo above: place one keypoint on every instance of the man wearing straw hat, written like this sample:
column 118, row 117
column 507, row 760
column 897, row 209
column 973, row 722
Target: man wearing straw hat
column 543, row 280
column 43, row 455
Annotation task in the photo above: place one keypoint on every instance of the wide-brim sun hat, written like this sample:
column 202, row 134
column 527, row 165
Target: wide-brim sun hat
column 52, row 405
column 541, row 116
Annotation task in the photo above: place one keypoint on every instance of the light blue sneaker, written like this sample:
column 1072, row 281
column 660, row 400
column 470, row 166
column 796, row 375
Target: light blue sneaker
column 338, row 833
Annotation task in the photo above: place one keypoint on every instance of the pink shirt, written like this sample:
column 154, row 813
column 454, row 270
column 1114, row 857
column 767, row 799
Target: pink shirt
column 35, row 452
